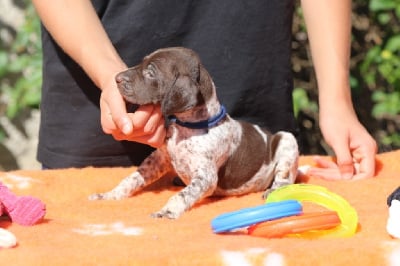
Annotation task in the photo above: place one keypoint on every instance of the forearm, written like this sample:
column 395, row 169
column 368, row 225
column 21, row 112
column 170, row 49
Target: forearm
column 329, row 30
column 78, row 31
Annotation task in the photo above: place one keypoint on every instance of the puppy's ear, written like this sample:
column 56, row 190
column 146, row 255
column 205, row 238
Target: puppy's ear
column 183, row 95
column 205, row 82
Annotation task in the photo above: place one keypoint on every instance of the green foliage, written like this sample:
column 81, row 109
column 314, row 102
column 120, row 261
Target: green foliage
column 20, row 67
column 381, row 67
column 302, row 102
column 374, row 73
column 387, row 104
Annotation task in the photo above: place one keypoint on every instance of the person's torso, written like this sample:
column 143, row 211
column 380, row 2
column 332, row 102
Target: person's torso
column 245, row 45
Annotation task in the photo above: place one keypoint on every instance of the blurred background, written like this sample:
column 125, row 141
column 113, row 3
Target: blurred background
column 374, row 76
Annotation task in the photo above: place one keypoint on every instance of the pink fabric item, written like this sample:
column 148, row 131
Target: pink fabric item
column 24, row 210
column 2, row 211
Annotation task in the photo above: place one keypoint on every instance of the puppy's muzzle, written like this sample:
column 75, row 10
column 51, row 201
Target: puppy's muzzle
column 124, row 80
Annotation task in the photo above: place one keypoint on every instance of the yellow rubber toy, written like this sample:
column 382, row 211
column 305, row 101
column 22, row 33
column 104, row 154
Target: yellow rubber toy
column 323, row 197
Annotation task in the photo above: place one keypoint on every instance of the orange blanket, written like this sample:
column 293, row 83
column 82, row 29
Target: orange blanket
column 80, row 232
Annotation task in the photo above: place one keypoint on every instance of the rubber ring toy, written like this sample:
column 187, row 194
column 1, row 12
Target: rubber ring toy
column 323, row 197
column 295, row 224
column 248, row 216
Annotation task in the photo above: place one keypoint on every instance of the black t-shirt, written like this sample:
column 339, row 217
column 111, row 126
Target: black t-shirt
column 245, row 45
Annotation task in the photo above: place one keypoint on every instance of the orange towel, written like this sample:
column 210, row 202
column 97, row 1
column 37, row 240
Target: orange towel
column 81, row 232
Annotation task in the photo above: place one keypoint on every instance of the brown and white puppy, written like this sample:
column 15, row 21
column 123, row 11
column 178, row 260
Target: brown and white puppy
column 211, row 152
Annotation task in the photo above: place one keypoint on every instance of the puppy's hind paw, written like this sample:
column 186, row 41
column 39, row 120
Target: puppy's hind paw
column 98, row 196
column 110, row 195
column 266, row 193
column 165, row 214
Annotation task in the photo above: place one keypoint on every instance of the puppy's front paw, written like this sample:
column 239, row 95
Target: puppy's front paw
column 99, row 196
column 110, row 195
column 106, row 196
column 165, row 214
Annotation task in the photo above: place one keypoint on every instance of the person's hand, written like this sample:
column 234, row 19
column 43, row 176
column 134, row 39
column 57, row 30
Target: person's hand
column 145, row 125
column 354, row 147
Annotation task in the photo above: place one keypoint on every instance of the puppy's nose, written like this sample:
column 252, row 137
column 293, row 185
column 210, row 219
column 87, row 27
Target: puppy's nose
column 121, row 77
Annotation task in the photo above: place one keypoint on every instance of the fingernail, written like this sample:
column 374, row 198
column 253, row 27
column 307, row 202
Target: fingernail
column 347, row 176
column 127, row 129
column 303, row 169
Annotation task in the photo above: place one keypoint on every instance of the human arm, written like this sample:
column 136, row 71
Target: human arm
column 329, row 29
column 77, row 29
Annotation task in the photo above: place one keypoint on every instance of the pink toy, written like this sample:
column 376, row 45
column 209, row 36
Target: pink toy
column 24, row 210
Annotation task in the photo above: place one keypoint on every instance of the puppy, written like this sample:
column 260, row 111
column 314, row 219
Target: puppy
column 212, row 153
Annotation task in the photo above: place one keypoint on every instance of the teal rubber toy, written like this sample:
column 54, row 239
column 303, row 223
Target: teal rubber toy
column 252, row 215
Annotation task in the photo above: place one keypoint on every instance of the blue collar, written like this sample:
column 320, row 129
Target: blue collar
column 208, row 123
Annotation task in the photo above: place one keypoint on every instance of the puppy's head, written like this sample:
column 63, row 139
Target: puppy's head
column 172, row 77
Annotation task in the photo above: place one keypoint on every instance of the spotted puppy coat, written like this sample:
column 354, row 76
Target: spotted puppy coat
column 212, row 153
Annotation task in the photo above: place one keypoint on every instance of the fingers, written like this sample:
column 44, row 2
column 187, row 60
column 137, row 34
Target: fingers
column 147, row 117
column 344, row 159
column 326, row 169
column 113, row 114
column 354, row 147
column 365, row 160
column 145, row 125
column 148, row 126
column 106, row 120
column 118, row 114
column 362, row 164
column 329, row 170
column 325, row 173
column 156, row 139
column 324, row 163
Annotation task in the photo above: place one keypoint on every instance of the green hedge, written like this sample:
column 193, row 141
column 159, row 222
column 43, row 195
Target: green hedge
column 20, row 67
column 374, row 74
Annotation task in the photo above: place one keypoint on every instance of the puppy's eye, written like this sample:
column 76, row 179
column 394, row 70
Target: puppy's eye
column 149, row 72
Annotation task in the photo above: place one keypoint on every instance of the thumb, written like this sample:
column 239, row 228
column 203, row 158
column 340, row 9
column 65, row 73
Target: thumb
column 344, row 160
column 117, row 110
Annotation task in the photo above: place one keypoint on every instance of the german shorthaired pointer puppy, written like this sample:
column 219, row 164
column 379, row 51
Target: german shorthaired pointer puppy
column 212, row 153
